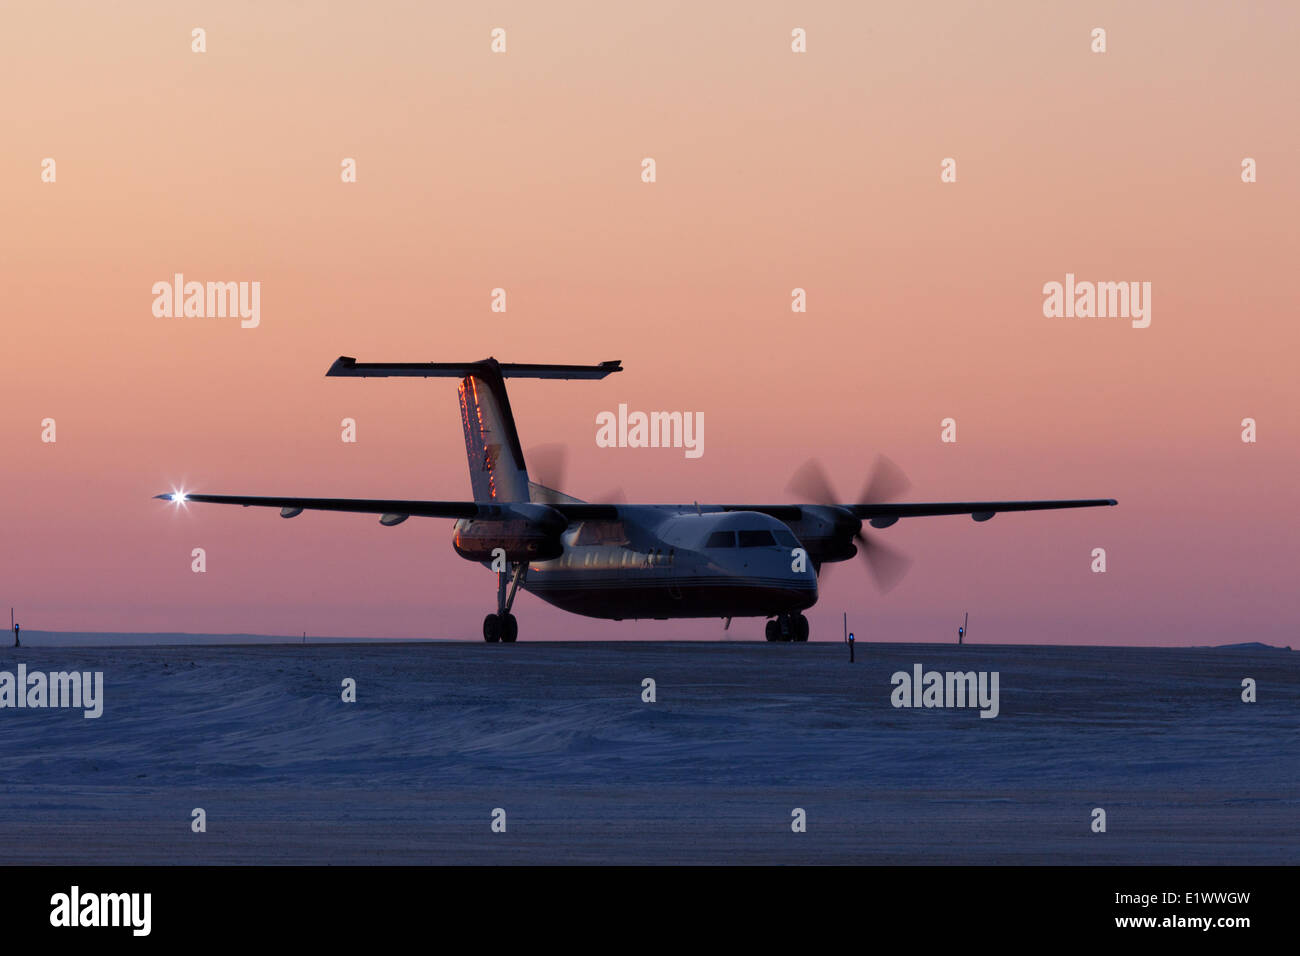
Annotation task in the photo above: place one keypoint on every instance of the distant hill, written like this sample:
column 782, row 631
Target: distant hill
column 1248, row 646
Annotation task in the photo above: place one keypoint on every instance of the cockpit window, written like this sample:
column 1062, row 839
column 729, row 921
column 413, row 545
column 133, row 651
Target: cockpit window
column 762, row 538
column 786, row 539
column 721, row 539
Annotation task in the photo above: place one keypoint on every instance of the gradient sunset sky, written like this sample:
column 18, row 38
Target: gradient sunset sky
column 775, row 170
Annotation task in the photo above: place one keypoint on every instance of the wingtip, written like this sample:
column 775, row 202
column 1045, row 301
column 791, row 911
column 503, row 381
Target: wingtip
column 341, row 364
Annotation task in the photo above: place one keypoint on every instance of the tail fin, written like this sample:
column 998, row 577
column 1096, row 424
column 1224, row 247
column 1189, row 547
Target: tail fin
column 496, row 461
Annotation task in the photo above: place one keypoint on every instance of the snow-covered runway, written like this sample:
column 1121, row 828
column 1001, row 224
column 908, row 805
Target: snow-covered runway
column 741, row 734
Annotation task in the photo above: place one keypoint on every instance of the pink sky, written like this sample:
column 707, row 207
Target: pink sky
column 775, row 171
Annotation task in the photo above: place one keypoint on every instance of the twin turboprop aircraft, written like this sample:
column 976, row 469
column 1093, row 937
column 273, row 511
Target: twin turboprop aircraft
column 619, row 560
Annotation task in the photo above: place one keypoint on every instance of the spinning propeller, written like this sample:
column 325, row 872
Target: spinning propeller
column 886, row 565
column 546, row 467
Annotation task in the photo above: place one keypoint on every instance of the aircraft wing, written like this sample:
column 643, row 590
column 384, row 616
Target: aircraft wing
column 578, row 511
column 392, row 506
column 979, row 510
column 397, row 507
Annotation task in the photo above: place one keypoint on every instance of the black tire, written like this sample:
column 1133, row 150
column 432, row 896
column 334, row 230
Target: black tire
column 491, row 629
column 799, row 628
column 509, row 629
column 785, row 629
column 773, row 631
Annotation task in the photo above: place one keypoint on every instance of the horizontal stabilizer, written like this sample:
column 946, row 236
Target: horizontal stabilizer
column 345, row 366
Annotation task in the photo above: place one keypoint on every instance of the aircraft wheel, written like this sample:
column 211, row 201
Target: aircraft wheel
column 492, row 628
column 785, row 628
column 509, row 628
column 799, row 628
column 773, row 631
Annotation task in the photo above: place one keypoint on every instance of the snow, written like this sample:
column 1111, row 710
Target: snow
column 741, row 733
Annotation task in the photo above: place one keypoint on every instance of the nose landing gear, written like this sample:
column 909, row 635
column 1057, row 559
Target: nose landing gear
column 787, row 627
column 502, row 625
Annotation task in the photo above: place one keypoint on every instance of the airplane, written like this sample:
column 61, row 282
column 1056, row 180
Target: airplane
column 631, row 561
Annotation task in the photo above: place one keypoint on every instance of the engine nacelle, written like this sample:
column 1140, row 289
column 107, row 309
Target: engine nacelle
column 524, row 531
column 827, row 531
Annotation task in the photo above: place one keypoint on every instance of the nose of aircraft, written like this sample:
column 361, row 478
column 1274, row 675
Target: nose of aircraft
column 775, row 567
column 802, row 573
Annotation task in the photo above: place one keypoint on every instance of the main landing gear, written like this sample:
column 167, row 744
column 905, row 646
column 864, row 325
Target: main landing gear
column 788, row 627
column 502, row 625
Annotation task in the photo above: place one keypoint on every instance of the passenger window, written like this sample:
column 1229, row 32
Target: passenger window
column 757, row 539
column 721, row 539
column 600, row 532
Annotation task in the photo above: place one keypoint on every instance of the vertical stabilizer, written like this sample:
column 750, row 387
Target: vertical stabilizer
column 496, row 460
